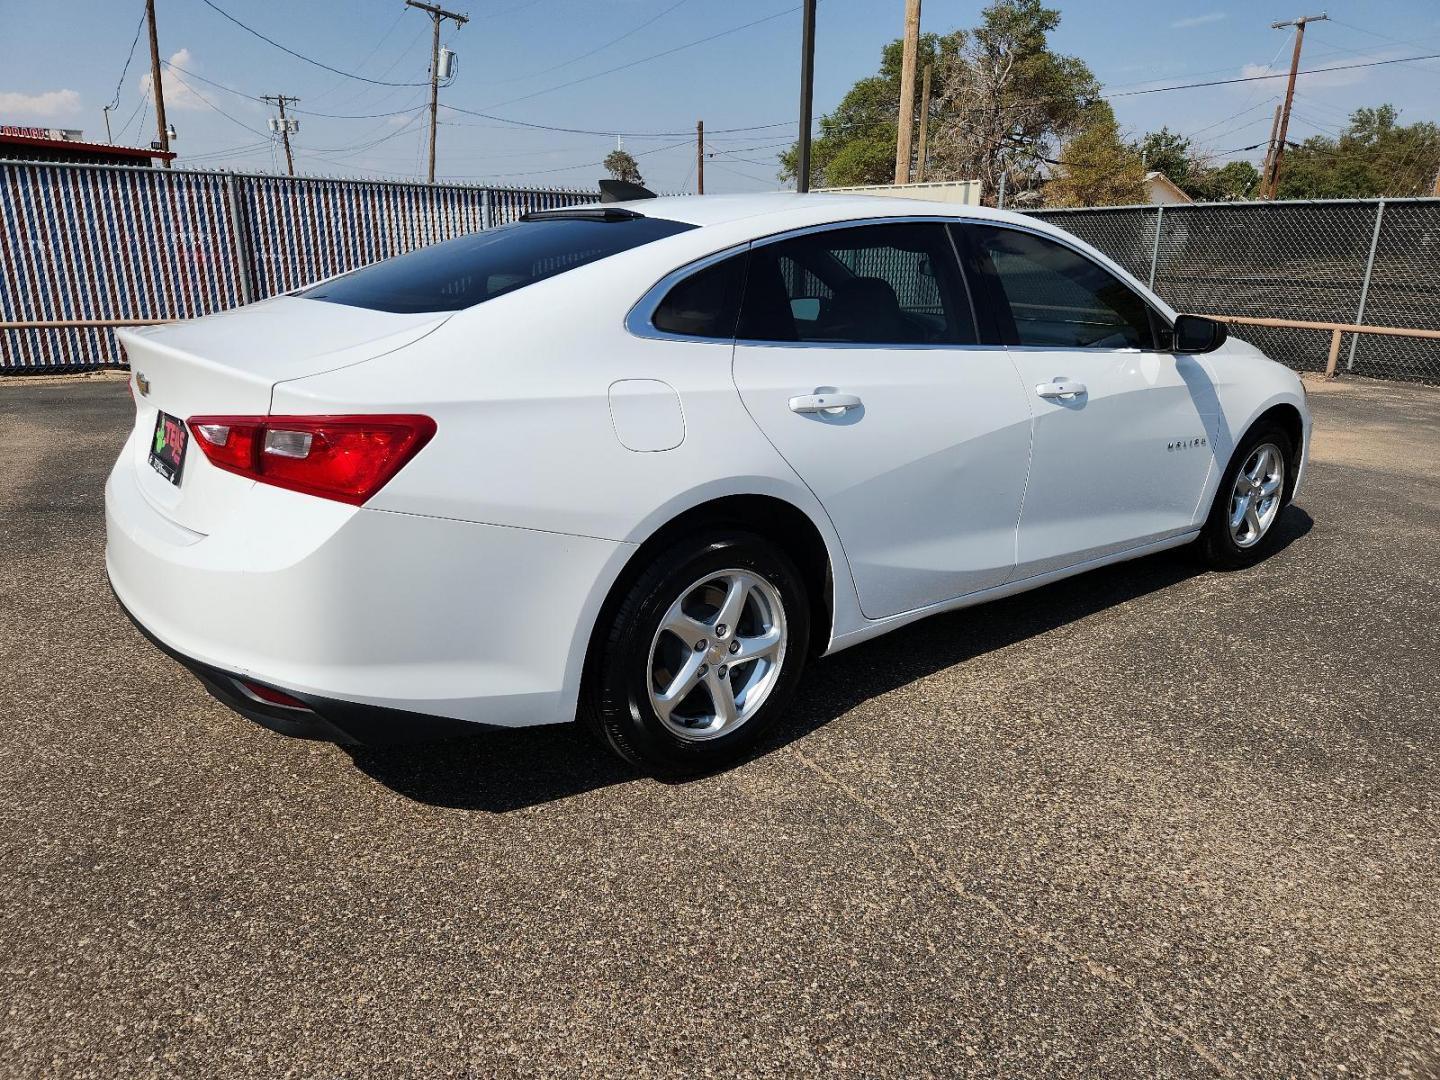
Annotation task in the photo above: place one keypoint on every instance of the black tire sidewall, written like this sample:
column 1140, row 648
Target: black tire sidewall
column 622, row 701
column 1216, row 544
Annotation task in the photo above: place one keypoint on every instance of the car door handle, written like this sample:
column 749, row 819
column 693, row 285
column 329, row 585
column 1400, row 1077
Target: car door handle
column 834, row 404
column 1060, row 388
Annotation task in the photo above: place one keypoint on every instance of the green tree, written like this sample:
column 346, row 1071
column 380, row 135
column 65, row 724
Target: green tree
column 621, row 165
column 1001, row 101
column 856, row 142
column 1237, row 180
column 1097, row 167
column 1168, row 152
column 1374, row 156
column 1008, row 100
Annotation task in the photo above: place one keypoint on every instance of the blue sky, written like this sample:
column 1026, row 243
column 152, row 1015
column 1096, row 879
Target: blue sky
column 525, row 60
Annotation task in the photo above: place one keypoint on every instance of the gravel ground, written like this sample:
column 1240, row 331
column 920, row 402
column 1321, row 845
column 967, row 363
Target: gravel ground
column 1143, row 822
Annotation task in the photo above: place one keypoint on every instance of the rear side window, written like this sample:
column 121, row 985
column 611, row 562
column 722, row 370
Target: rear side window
column 706, row 304
column 471, row 269
column 892, row 284
column 1059, row 298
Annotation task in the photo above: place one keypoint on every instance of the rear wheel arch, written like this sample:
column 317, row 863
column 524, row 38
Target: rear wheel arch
column 782, row 523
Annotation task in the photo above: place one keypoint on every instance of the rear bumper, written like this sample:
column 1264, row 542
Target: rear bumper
column 329, row 719
column 389, row 626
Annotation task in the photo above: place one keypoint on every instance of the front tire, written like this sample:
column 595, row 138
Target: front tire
column 701, row 656
column 1240, row 530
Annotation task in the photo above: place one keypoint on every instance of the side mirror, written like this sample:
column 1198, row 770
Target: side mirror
column 1197, row 334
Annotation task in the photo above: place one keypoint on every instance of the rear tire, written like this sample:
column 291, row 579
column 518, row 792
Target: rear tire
column 1254, row 489
column 701, row 655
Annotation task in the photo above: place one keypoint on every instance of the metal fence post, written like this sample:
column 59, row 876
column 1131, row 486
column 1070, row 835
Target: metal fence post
column 485, row 218
column 240, row 237
column 1155, row 251
column 1365, row 285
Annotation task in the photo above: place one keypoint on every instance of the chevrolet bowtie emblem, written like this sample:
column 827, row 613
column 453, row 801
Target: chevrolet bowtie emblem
column 143, row 383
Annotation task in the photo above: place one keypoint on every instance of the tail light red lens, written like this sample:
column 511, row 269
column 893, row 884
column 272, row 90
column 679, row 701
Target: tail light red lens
column 346, row 458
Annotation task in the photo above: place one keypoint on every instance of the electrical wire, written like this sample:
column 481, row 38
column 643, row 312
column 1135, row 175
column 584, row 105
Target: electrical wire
column 115, row 101
column 586, row 55
column 608, row 134
column 222, row 112
column 644, row 59
column 301, row 56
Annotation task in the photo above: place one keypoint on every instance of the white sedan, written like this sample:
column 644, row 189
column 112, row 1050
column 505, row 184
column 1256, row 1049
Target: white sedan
column 636, row 463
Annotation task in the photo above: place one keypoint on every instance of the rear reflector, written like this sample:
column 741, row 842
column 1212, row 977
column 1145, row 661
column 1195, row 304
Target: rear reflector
column 346, row 458
column 270, row 696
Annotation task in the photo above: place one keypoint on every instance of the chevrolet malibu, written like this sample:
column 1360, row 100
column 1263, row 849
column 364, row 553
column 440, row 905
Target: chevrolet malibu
column 636, row 463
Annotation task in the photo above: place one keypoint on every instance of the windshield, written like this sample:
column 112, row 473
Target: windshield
column 471, row 269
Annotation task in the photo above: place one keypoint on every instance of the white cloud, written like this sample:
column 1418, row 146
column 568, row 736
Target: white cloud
column 1198, row 20
column 18, row 108
column 177, row 94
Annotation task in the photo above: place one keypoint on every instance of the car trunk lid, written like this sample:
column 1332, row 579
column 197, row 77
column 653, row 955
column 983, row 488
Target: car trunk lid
column 228, row 364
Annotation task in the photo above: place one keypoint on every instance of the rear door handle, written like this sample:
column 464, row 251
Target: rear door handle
column 1060, row 388
column 834, row 404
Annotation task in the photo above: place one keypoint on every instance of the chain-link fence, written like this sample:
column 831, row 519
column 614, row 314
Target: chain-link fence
column 1360, row 262
column 96, row 242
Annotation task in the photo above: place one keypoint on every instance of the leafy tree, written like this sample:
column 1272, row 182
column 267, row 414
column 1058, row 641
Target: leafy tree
column 1375, row 155
column 1008, row 100
column 1098, row 168
column 1168, row 152
column 1237, row 180
column 621, row 165
column 1001, row 101
column 1194, row 173
column 856, row 143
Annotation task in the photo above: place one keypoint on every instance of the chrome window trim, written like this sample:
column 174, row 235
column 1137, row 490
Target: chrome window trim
column 638, row 321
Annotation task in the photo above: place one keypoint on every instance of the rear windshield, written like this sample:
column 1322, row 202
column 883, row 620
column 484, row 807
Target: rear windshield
column 469, row 270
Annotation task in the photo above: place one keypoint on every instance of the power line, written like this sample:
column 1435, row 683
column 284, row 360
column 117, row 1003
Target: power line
column 608, row 134
column 301, row 56
column 216, row 108
column 586, row 55
column 115, row 102
column 644, row 59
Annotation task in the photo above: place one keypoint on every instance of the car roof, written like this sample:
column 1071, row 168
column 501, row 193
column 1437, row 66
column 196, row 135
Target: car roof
column 808, row 209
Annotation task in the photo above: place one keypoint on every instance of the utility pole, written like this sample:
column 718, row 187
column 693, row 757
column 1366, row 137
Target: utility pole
column 807, row 96
column 284, row 127
column 155, row 89
column 437, row 14
column 923, row 151
column 1269, row 155
column 700, row 154
column 903, row 143
column 106, row 110
column 1299, row 25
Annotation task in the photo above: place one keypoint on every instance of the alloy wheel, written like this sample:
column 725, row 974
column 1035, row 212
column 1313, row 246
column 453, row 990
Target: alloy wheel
column 1255, row 498
column 717, row 654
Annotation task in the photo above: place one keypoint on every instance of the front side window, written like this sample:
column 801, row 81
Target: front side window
column 1057, row 297
column 892, row 284
column 471, row 269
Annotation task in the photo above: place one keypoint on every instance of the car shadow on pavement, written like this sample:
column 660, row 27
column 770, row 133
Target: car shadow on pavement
column 499, row 771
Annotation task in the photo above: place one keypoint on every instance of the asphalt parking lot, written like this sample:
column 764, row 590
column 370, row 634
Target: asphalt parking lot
column 1146, row 822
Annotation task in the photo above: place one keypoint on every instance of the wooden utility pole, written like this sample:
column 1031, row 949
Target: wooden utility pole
column 437, row 14
column 903, row 142
column 156, row 91
column 1299, row 25
column 284, row 126
column 923, row 151
column 807, row 96
column 1269, row 155
column 700, row 155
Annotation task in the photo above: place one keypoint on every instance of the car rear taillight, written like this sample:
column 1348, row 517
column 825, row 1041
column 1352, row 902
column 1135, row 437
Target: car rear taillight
column 346, row 458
